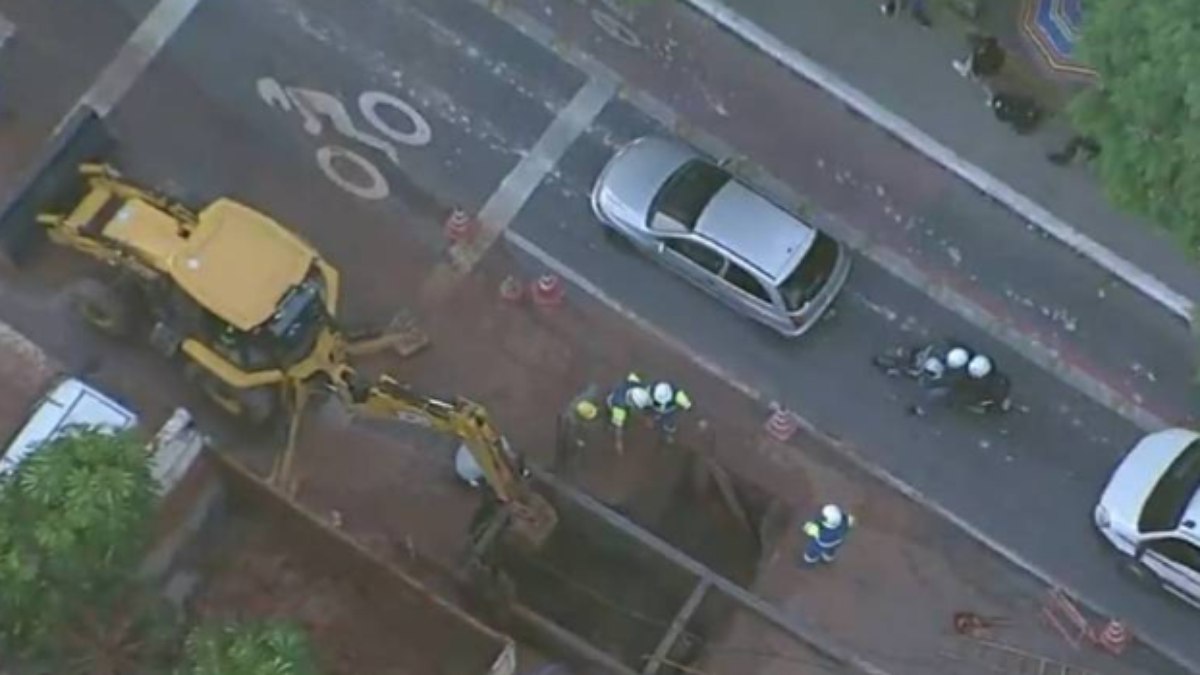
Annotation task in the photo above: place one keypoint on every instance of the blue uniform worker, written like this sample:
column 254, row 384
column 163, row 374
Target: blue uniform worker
column 826, row 534
column 667, row 402
column 631, row 393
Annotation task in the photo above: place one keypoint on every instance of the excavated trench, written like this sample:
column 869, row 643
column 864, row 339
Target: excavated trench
column 606, row 585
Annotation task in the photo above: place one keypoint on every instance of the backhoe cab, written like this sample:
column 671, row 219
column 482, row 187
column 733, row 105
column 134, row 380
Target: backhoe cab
column 252, row 310
column 248, row 303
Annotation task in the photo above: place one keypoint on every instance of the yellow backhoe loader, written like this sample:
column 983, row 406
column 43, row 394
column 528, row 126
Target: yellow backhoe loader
column 251, row 309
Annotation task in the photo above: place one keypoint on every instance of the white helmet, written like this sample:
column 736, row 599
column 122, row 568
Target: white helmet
column 832, row 515
column 638, row 397
column 933, row 366
column 979, row 367
column 957, row 358
column 663, row 393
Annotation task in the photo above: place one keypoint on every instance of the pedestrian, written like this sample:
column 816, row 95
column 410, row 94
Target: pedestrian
column 667, row 401
column 916, row 9
column 985, row 59
column 630, row 394
column 1019, row 111
column 1075, row 145
column 826, row 534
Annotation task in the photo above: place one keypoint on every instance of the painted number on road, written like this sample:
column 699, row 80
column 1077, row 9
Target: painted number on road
column 394, row 120
column 614, row 18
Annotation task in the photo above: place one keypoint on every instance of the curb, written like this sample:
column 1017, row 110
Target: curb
column 792, row 59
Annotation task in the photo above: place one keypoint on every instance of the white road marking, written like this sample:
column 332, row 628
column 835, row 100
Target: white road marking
column 421, row 133
column 7, row 29
column 312, row 105
column 375, row 186
column 135, row 55
column 516, row 188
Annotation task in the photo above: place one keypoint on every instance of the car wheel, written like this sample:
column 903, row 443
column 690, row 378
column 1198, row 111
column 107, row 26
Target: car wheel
column 104, row 307
column 616, row 238
column 1139, row 574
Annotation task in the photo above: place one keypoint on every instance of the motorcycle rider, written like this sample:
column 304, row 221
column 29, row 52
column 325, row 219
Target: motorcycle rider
column 944, row 369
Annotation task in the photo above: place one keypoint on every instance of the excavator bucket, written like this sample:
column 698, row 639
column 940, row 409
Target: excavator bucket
column 533, row 520
column 52, row 182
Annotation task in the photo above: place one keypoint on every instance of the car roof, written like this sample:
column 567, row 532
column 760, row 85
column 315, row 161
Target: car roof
column 70, row 403
column 754, row 229
column 636, row 173
column 1146, row 462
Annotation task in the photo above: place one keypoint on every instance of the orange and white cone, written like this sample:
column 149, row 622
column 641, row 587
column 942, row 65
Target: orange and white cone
column 548, row 291
column 1113, row 638
column 782, row 424
column 460, row 228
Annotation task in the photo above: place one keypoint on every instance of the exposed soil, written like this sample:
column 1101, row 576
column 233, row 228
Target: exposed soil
column 255, row 571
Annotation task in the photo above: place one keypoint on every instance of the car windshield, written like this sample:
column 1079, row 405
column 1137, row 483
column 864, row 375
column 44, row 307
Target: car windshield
column 1174, row 491
column 811, row 274
column 688, row 191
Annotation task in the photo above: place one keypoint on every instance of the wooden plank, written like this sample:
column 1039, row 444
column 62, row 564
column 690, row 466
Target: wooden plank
column 677, row 625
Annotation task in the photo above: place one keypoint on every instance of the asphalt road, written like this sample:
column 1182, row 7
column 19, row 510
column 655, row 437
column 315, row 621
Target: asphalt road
column 210, row 117
column 895, row 198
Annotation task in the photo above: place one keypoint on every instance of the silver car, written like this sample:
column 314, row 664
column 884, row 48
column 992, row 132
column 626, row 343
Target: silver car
column 693, row 217
column 1150, row 509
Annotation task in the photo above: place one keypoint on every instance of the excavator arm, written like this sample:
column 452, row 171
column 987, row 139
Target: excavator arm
column 388, row 399
column 533, row 518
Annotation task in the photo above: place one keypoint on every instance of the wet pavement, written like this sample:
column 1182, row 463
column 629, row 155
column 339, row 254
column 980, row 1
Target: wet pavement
column 372, row 195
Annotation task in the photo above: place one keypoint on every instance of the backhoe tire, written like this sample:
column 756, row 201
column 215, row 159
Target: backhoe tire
column 254, row 406
column 105, row 308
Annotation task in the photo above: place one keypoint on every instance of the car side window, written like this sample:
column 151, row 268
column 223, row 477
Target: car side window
column 1178, row 551
column 743, row 280
column 700, row 254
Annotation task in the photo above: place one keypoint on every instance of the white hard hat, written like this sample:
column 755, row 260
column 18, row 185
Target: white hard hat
column 933, row 366
column 832, row 515
column 638, row 397
column 663, row 393
column 957, row 357
column 979, row 367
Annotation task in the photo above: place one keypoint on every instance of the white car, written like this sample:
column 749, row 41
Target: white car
column 71, row 403
column 1150, row 510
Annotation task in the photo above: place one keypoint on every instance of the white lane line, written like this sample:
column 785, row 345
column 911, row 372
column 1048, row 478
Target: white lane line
column 136, row 54
column 7, row 29
column 517, row 187
column 1145, row 282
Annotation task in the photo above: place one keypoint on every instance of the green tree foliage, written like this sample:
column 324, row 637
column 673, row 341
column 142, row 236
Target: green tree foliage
column 1145, row 112
column 273, row 648
column 75, row 519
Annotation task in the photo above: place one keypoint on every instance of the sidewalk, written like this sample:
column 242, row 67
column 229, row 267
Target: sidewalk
column 915, row 81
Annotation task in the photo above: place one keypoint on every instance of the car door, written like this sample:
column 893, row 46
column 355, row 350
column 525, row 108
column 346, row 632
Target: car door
column 1177, row 563
column 695, row 260
column 746, row 293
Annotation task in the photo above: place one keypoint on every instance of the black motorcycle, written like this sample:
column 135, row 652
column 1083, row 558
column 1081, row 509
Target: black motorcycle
column 990, row 395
